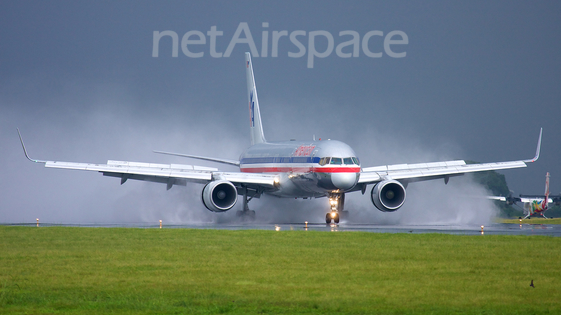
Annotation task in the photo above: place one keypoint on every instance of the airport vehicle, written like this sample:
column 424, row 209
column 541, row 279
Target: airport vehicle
column 533, row 204
column 294, row 169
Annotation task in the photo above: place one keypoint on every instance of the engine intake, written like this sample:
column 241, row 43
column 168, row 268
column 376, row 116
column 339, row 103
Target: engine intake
column 388, row 195
column 220, row 196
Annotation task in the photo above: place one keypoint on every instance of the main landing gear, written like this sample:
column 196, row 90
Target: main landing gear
column 246, row 213
column 529, row 216
column 337, row 202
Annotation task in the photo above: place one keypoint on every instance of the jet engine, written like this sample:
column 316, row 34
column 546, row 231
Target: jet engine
column 220, row 196
column 388, row 195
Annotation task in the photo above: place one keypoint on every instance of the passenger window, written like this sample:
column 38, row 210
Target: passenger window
column 348, row 161
column 336, row 161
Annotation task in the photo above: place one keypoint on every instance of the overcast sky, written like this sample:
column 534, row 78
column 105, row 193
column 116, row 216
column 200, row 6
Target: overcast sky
column 472, row 80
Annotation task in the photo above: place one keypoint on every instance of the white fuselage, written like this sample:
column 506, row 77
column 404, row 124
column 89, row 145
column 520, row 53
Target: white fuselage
column 305, row 169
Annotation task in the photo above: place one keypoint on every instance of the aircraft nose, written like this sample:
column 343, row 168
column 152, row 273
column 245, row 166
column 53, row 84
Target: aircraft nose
column 344, row 181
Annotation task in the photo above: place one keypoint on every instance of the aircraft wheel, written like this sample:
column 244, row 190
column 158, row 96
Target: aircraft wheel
column 328, row 218
column 336, row 219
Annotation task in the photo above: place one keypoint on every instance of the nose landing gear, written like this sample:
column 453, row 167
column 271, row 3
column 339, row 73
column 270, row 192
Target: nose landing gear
column 333, row 215
column 337, row 202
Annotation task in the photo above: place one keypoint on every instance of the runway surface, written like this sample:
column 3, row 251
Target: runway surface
column 502, row 229
column 493, row 229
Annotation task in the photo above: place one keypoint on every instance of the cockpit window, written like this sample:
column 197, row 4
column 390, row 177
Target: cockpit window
column 336, row 161
column 339, row 161
column 324, row 160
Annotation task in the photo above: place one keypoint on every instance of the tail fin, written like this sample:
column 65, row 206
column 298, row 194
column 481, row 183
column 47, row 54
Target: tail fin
column 546, row 189
column 256, row 128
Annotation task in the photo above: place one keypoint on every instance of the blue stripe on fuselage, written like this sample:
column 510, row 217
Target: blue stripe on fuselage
column 295, row 159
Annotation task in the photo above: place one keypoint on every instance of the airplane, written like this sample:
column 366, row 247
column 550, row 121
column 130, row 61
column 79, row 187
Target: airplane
column 533, row 204
column 288, row 169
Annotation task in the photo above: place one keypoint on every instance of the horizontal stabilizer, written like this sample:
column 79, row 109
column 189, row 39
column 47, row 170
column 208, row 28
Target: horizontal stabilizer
column 223, row 161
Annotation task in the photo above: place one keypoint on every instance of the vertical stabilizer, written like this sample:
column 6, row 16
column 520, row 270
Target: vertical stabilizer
column 255, row 126
column 546, row 189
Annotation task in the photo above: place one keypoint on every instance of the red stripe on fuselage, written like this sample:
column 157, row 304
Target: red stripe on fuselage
column 337, row 169
column 273, row 169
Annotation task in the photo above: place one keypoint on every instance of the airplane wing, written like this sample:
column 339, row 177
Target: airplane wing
column 428, row 171
column 521, row 199
column 536, row 198
column 407, row 173
column 170, row 174
column 510, row 200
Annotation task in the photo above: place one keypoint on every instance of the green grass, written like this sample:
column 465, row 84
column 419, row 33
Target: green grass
column 533, row 221
column 59, row 270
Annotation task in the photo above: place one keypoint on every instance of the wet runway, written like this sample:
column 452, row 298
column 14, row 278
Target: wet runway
column 493, row 229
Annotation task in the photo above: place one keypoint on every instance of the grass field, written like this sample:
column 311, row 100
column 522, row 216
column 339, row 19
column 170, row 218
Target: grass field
column 72, row 270
column 533, row 221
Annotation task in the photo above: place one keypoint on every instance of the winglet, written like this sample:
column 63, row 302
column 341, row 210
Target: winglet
column 25, row 151
column 537, row 149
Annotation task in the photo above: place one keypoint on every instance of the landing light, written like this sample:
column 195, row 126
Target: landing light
column 333, row 214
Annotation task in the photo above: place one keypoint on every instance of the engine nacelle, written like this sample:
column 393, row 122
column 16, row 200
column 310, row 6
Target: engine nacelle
column 388, row 195
column 220, row 196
